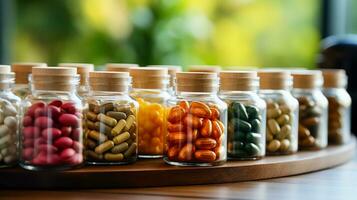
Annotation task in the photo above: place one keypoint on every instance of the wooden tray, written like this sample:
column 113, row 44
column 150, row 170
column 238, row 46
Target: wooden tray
column 147, row 173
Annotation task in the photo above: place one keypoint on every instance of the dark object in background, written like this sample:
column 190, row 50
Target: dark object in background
column 341, row 53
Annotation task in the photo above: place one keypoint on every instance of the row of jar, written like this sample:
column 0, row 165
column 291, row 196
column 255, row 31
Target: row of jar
column 207, row 119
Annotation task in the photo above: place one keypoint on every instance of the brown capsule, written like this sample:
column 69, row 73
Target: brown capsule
column 311, row 121
column 91, row 116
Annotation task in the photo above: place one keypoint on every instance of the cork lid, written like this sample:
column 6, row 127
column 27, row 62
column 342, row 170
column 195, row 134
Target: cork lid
column 83, row 70
column 22, row 71
column 54, row 78
column 6, row 76
column 334, row 78
column 274, row 79
column 307, row 79
column 238, row 80
column 149, row 77
column 172, row 70
column 204, row 68
column 109, row 81
column 120, row 67
column 196, row 82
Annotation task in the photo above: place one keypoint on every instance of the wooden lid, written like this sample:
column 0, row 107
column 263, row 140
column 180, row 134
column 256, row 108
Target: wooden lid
column 120, row 67
column 307, row 79
column 149, row 77
column 83, row 70
column 334, row 78
column 54, row 78
column 274, row 79
column 109, row 81
column 172, row 70
column 204, row 68
column 196, row 82
column 238, row 80
column 22, row 70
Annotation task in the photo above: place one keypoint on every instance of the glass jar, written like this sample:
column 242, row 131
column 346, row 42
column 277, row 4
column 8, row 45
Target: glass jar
column 172, row 70
column 246, row 114
column 313, row 107
column 197, row 122
column 83, row 70
column 110, row 120
column 9, row 106
column 22, row 71
column 119, row 67
column 51, row 128
column 339, row 106
column 282, row 112
column 150, row 90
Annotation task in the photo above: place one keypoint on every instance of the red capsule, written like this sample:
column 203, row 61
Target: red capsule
column 43, row 122
column 67, row 153
column 27, row 153
column 63, row 142
column 31, row 110
column 69, row 120
column 27, row 121
column 66, row 131
column 57, row 103
column 69, row 107
column 30, row 132
column 51, row 133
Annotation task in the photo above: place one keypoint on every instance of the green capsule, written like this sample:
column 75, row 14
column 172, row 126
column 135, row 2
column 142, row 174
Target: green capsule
column 253, row 112
column 254, row 138
column 243, row 126
column 238, row 145
column 242, row 112
column 252, row 149
column 256, row 125
column 239, row 136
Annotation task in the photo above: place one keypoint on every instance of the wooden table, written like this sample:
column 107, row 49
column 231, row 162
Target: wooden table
column 335, row 183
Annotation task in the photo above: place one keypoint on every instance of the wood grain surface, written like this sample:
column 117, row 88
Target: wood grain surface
column 156, row 173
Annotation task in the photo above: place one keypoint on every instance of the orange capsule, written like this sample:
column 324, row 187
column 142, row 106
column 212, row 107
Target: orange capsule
column 185, row 105
column 175, row 127
column 177, row 138
column 173, row 152
column 220, row 125
column 191, row 121
column 192, row 135
column 200, row 109
column 205, row 143
column 176, row 114
column 215, row 113
column 206, row 129
column 216, row 129
column 217, row 150
column 185, row 153
column 205, row 155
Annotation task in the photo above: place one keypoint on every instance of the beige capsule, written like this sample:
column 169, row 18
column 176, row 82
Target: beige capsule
column 273, row 146
column 283, row 119
column 269, row 137
column 129, row 122
column 273, row 113
column 106, row 120
column 284, row 145
column 94, row 155
column 91, row 116
column 272, row 105
column 104, row 147
column 121, row 138
column 122, row 108
column 103, row 128
column 284, row 132
column 114, row 157
column 11, row 122
column 273, row 126
column 120, row 147
column 119, row 127
column 4, row 130
column 97, row 136
column 285, row 109
column 132, row 149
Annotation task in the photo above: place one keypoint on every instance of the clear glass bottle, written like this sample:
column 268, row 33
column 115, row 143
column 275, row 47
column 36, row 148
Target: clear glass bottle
column 246, row 114
column 172, row 70
column 9, row 107
column 197, row 122
column 110, row 120
column 150, row 89
column 22, row 71
column 83, row 70
column 51, row 128
column 339, row 106
column 313, row 109
column 282, row 112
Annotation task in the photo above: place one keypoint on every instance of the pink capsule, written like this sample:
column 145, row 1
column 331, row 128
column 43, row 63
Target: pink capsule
column 69, row 120
column 63, row 142
column 27, row 121
column 40, row 159
column 69, row 107
column 43, row 122
column 39, row 141
column 53, row 159
column 27, row 153
column 75, row 159
column 28, row 143
column 40, row 111
column 51, row 133
column 66, row 131
column 57, row 103
column 30, row 132
column 31, row 110
column 53, row 111
column 76, row 134
column 47, row 148
column 77, row 146
column 67, row 153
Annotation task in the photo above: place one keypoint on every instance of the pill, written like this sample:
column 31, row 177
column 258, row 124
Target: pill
column 106, row 107
column 205, row 143
column 113, row 157
column 103, row 128
column 94, row 155
column 97, row 136
column 205, row 155
column 129, row 122
column 118, row 127
column 206, row 129
column 120, row 147
column 121, row 138
column 130, row 151
column 273, row 113
column 116, row 115
column 274, row 145
column 91, row 116
column 273, row 126
column 106, row 120
column 69, row 120
column 284, row 145
column 104, row 147
column 283, row 119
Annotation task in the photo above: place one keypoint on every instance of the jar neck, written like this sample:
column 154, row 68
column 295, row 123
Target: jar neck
column 109, row 93
column 37, row 92
column 203, row 94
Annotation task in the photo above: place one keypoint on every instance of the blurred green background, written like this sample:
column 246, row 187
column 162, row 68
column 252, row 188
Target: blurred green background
column 223, row 32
